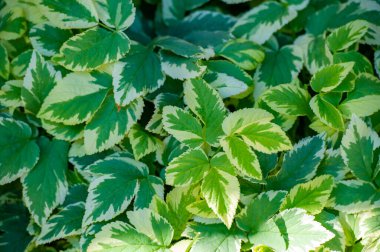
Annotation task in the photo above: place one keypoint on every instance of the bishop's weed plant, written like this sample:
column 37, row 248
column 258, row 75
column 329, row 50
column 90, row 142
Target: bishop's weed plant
column 189, row 125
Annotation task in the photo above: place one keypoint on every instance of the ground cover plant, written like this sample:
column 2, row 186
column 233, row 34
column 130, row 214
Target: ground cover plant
column 189, row 125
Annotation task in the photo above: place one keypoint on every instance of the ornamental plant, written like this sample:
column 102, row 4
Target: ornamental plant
column 189, row 125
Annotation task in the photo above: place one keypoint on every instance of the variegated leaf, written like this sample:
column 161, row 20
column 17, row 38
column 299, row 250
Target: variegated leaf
column 142, row 142
column 61, row 131
column 4, row 63
column 10, row 94
column 344, row 36
column 20, row 63
column 327, row 112
column 12, row 23
column 115, row 13
column 178, row 46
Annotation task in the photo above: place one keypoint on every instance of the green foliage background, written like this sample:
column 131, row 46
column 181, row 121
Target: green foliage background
column 189, row 125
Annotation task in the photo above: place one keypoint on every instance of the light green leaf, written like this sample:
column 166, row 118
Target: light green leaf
column 189, row 168
column 178, row 46
column 45, row 186
column 152, row 225
column 242, row 156
column 215, row 238
column 328, row 78
column 327, row 113
column 121, row 175
column 139, row 72
column 66, row 222
column 10, row 94
column 109, row 124
column 40, row 79
column 18, row 158
column 142, row 142
column 12, row 23
column 183, row 126
column 288, row 99
column 91, row 49
column 358, row 145
column 47, row 39
column 259, row 210
column 201, row 209
column 259, row 23
column 206, row 103
column 61, row 105
column 300, row 164
column 116, row 14
column 237, row 120
column 364, row 99
column 220, row 188
column 227, row 78
column 279, row 67
column 354, row 196
column 179, row 67
column 120, row 236
column 4, row 63
column 344, row 36
column 311, row 196
column 73, row 14
column 244, row 53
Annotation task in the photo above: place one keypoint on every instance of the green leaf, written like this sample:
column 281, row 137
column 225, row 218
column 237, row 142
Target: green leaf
column 295, row 104
column 318, row 54
column 259, row 210
column 116, row 14
column 189, row 168
column 63, row 132
column 244, row 53
column 40, row 79
column 220, row 188
column 206, row 103
column 109, row 124
column 91, row 49
column 139, row 73
column 344, row 36
column 201, row 210
column 178, row 67
column 73, row 14
column 259, row 23
column 354, row 196
column 19, row 150
column 47, row 39
column 152, row 225
column 174, row 11
column 311, row 196
column 358, row 145
column 279, row 67
column 10, row 94
column 45, row 186
column 122, row 237
column 362, row 63
column 327, row 113
column 242, row 156
column 12, row 23
column 215, row 238
column 227, row 78
column 61, row 105
column 300, row 231
column 4, row 63
column 328, row 78
column 178, row 46
column 149, row 187
column 122, row 176
column 300, row 164
column 377, row 62
column 66, row 222
column 364, row 99
column 21, row 63
column 142, row 142
column 183, row 126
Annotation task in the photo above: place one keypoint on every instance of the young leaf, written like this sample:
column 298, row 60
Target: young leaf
column 357, row 148
column 330, row 77
column 91, row 49
column 45, row 186
column 206, row 103
column 40, row 79
column 63, row 224
column 116, row 14
column 74, row 14
column 344, row 36
column 311, row 196
column 139, row 73
column 18, row 158
column 326, row 112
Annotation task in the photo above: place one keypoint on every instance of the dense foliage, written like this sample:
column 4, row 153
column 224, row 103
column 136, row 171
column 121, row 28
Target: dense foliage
column 189, row 125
